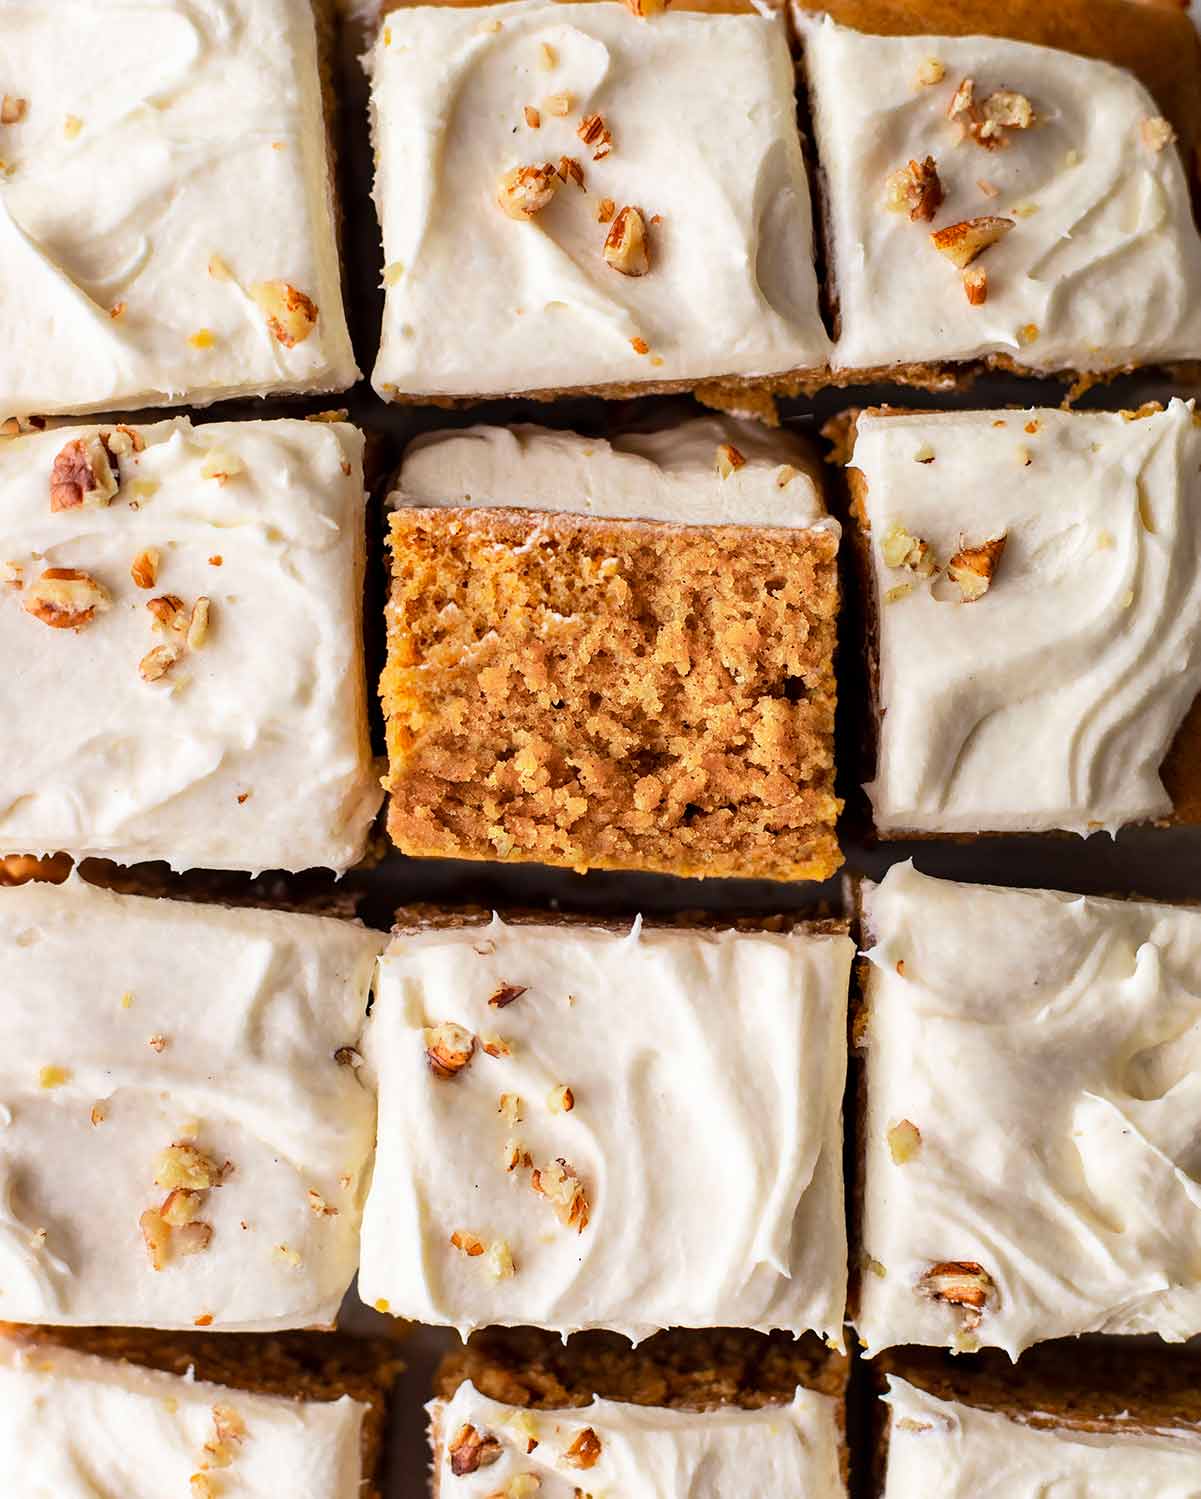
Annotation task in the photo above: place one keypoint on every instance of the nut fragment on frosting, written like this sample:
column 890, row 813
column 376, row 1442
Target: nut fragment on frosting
column 729, row 459
column 12, row 109
column 65, row 598
column 962, row 242
column 144, row 568
column 900, row 549
column 915, row 189
column 448, row 1048
column 82, row 475
column 471, row 1450
column 525, row 191
column 593, row 131
column 960, row 1283
column 291, row 315
column 585, row 1450
column 972, row 567
column 560, row 1185
column 625, row 247
column 904, row 1141
column 1157, row 132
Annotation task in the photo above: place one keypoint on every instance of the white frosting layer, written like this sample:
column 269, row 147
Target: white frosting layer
column 1045, row 1047
column 252, row 751
column 670, row 474
column 959, row 1452
column 479, row 303
column 649, row 1452
column 1104, row 260
column 155, row 137
column 1051, row 701
column 76, row 1427
column 707, row 1072
column 177, row 1022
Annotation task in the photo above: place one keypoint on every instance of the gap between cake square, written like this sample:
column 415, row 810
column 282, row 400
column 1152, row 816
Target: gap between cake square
column 598, row 690
column 181, row 610
column 194, row 1416
column 559, row 212
column 1006, row 185
column 734, row 1411
column 168, row 226
column 1028, row 1117
column 1032, row 584
column 555, row 1151
column 186, row 1137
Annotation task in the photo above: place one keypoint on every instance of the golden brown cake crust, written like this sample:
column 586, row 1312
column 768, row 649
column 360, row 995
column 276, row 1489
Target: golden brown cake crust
column 301, row 1366
column 612, row 694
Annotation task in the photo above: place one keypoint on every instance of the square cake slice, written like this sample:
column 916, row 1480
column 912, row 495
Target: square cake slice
column 185, row 1135
column 592, row 692
column 1108, row 1424
column 1007, row 183
column 560, row 210
column 167, row 225
column 147, row 1415
column 1033, row 1104
column 683, row 1414
column 630, row 1128
column 1034, row 602
column 181, row 614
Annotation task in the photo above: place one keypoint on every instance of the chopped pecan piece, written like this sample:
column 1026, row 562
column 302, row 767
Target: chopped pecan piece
column 156, row 1233
column 975, row 285
column 525, row 191
column 198, row 624
column 192, row 1238
column 169, row 612
column 961, row 1283
column 471, row 1450
column 82, row 475
column 156, row 663
column 558, row 104
column 468, row 1243
column 899, row 549
column 1156, row 132
column 986, row 121
column 12, row 110
column 625, row 246
column 729, row 459
column 181, row 1207
column 962, row 242
column 291, row 316
column 144, row 568
column 448, row 1048
column 915, row 189
column 584, row 1451
column 183, row 1165
column 904, row 1141
column 532, row 118
column 593, row 131
column 560, row 1185
column 506, row 994
column 570, row 167
column 973, row 567
column 605, row 210
column 228, row 1424
column 931, row 71
column 65, row 598
column 499, row 1260
column 561, row 1100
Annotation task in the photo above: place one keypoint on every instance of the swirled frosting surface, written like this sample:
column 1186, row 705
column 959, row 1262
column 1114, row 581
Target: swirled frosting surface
column 666, row 474
column 251, row 751
column 648, row 1452
column 1051, row 701
column 1103, row 265
column 1045, row 1049
column 478, row 302
column 130, row 1025
column 961, row 1452
column 169, row 158
column 104, row 1427
column 703, row 1145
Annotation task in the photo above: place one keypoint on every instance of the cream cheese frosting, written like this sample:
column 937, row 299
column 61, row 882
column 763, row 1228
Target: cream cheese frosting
column 481, row 303
column 1033, row 1112
column 667, row 474
column 648, row 1452
column 1051, row 701
column 168, row 159
column 1102, row 267
column 251, row 750
column 73, row 1426
column 961, row 1452
column 137, row 1034
column 690, row 1175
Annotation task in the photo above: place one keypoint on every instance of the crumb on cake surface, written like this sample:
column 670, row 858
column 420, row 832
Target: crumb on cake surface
column 612, row 694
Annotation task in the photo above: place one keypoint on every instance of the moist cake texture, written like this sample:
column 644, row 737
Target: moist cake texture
column 1035, row 585
column 1032, row 1108
column 549, row 1140
column 682, row 1414
column 553, row 176
column 185, row 1135
column 167, row 229
column 180, row 611
column 612, row 694
column 990, row 198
